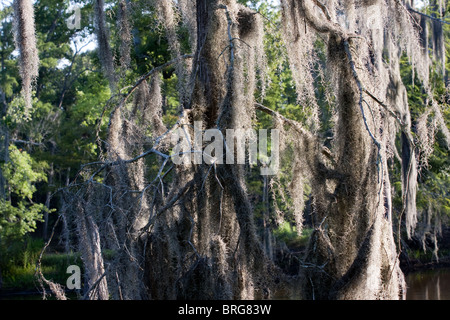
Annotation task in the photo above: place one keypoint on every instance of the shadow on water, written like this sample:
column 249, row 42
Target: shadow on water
column 422, row 285
column 428, row 285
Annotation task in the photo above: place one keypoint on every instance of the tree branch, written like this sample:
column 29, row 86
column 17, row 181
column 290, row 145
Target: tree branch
column 323, row 8
column 321, row 25
column 392, row 113
column 26, row 142
column 297, row 126
column 428, row 16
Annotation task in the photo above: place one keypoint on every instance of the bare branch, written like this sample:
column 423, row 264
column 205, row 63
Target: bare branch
column 392, row 113
column 56, row 288
column 428, row 16
column 26, row 142
column 94, row 285
column 297, row 126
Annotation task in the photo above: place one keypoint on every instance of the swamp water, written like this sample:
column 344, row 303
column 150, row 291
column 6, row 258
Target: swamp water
column 428, row 285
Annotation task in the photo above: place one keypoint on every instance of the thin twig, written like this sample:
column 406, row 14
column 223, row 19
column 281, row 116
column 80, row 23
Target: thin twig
column 94, row 285
column 175, row 198
column 428, row 16
column 392, row 113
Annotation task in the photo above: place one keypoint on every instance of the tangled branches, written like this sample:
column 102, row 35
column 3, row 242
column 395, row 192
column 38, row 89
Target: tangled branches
column 188, row 229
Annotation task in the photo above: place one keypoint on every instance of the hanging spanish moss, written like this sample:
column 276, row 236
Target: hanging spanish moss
column 440, row 122
column 300, row 47
column 25, row 40
column 438, row 34
column 90, row 249
column 169, row 18
column 424, row 38
column 429, row 230
column 148, row 106
column 188, row 10
column 104, row 48
column 125, row 36
column 366, row 89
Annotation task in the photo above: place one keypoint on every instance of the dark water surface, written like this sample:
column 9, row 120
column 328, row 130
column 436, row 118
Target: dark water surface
column 428, row 285
column 423, row 285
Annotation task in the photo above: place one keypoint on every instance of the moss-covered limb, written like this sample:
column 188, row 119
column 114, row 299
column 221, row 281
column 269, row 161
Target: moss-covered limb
column 359, row 145
column 320, row 25
column 360, row 88
column 104, row 48
column 25, row 40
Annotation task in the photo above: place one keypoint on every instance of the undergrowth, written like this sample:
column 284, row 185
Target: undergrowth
column 288, row 234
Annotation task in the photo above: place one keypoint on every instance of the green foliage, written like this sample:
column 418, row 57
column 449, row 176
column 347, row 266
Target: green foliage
column 18, row 215
column 434, row 190
column 18, row 261
column 19, row 264
column 289, row 235
column 24, row 253
column 15, row 221
column 280, row 95
column 22, row 172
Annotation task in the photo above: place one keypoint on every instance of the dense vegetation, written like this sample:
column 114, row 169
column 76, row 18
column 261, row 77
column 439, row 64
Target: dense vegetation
column 48, row 135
